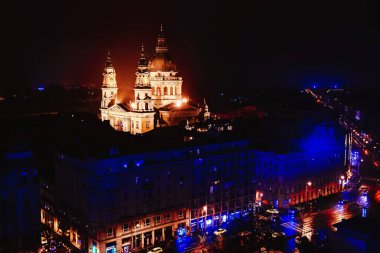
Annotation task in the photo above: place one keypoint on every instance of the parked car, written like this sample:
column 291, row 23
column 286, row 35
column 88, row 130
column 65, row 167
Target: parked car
column 245, row 233
column 43, row 240
column 220, row 231
column 156, row 250
column 278, row 234
column 53, row 247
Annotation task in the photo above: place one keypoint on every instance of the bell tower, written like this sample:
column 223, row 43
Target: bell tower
column 142, row 117
column 109, row 85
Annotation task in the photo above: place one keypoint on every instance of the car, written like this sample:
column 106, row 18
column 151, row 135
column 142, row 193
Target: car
column 43, row 240
column 245, row 233
column 156, row 250
column 220, row 231
column 278, row 234
column 342, row 201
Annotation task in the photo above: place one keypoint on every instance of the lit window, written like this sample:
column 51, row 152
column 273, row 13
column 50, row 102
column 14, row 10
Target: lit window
column 167, row 216
column 110, row 232
column 147, row 222
column 158, row 219
column 125, row 228
column 180, row 214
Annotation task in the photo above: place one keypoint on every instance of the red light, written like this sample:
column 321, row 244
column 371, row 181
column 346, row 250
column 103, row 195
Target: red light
column 365, row 152
column 376, row 163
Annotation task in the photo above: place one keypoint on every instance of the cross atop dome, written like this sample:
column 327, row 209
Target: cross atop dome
column 161, row 42
column 142, row 63
column 108, row 61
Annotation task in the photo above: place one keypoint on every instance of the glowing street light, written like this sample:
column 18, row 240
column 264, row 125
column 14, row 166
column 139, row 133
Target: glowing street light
column 178, row 103
column 308, row 184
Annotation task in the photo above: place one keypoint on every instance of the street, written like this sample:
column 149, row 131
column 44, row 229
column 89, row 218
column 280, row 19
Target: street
column 314, row 223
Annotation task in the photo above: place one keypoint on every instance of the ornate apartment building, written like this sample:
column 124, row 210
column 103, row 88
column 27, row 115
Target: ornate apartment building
column 123, row 203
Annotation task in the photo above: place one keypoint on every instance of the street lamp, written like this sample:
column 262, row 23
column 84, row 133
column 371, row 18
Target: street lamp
column 308, row 184
column 342, row 181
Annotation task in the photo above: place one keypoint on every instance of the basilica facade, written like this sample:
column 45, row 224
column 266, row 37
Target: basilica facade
column 158, row 99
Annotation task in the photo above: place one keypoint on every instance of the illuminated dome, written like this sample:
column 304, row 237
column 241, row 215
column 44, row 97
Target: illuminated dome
column 161, row 62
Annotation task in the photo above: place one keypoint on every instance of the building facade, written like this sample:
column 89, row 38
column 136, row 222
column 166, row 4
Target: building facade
column 19, row 201
column 135, row 201
column 158, row 99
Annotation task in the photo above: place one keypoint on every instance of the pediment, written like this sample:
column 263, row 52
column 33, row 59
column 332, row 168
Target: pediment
column 117, row 108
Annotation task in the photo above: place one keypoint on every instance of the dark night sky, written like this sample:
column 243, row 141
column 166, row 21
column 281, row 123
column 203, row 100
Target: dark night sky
column 217, row 47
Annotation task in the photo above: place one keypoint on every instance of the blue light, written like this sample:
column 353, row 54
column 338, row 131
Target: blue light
column 40, row 88
column 224, row 218
column 364, row 212
column 181, row 232
column 208, row 222
column 125, row 165
column 139, row 163
column 24, row 173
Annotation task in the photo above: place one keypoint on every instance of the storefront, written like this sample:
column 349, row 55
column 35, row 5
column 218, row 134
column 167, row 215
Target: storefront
column 157, row 236
column 136, row 242
column 111, row 247
column 224, row 217
column 168, row 232
column 148, row 239
column 193, row 225
column 126, row 245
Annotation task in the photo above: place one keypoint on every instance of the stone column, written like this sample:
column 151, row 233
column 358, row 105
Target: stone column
column 142, row 240
column 153, row 238
column 163, row 234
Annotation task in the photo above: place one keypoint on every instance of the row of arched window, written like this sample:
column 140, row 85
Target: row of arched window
column 170, row 91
